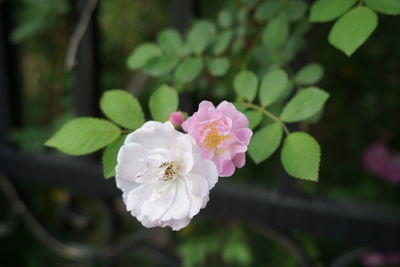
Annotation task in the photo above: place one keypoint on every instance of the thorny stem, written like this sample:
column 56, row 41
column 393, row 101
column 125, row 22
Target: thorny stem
column 268, row 114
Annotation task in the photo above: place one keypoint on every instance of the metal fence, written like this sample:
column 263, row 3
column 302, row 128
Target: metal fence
column 360, row 226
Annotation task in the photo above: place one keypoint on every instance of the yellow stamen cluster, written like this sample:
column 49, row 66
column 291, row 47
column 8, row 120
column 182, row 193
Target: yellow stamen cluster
column 170, row 170
column 213, row 138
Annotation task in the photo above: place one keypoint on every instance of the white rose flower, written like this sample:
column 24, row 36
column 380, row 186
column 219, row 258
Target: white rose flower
column 164, row 179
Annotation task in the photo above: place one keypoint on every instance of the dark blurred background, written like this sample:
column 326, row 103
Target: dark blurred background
column 74, row 218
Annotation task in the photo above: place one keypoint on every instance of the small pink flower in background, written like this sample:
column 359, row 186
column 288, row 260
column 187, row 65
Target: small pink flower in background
column 375, row 158
column 176, row 118
column 382, row 259
column 223, row 134
column 373, row 259
column 393, row 170
column 379, row 161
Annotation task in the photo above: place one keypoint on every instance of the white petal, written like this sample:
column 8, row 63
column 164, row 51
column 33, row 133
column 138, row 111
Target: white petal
column 153, row 135
column 125, row 186
column 159, row 202
column 137, row 196
column 177, row 225
column 181, row 204
column 130, row 161
column 195, row 202
column 207, row 169
column 198, row 185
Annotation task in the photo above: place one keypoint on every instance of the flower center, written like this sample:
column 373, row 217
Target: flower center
column 170, row 170
column 213, row 138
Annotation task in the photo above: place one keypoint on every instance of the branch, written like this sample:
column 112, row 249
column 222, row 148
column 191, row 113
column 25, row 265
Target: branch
column 77, row 35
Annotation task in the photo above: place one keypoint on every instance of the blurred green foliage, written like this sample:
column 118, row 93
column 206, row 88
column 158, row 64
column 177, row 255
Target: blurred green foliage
column 364, row 108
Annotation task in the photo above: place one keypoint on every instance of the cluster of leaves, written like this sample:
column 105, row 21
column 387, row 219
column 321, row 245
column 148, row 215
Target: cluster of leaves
column 227, row 245
column 271, row 33
column 354, row 24
column 85, row 135
column 248, row 48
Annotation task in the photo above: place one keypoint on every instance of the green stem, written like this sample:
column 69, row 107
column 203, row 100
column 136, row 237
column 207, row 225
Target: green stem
column 268, row 114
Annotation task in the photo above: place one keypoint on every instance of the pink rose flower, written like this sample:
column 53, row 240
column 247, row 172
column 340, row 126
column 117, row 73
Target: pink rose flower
column 176, row 118
column 222, row 133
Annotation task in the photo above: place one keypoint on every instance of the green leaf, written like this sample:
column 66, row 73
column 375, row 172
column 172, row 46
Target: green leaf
column 296, row 10
column 269, row 9
column 301, row 155
column 242, row 15
column 161, row 65
column 188, row 70
column 239, row 106
column 353, row 29
column 265, row 142
column 294, row 45
column 272, row 87
column 309, row 74
column 142, row 54
column 200, row 36
column 170, row 41
column 276, row 32
column 327, row 10
column 109, row 158
column 83, row 136
column 163, row 102
column 122, row 108
column 225, row 18
column 245, row 85
column 254, row 117
column 389, row 7
column 218, row 66
column 305, row 104
column 222, row 42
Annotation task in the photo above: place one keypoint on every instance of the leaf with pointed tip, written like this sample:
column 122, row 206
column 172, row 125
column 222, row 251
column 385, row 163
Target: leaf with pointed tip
column 218, row 66
column 309, row 74
column 265, row 142
column 389, row 7
column 272, row 87
column 188, row 70
column 122, row 108
column 301, row 155
column 170, row 41
column 84, row 135
column 353, row 29
column 327, row 10
column 254, row 117
column 163, row 102
column 200, row 36
column 245, row 84
column 305, row 104
column 142, row 54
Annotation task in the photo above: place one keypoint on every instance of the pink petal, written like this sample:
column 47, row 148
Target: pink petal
column 239, row 160
column 244, row 135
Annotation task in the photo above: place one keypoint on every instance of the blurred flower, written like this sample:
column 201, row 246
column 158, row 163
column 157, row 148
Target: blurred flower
column 164, row 179
column 373, row 259
column 223, row 134
column 176, row 118
column 382, row 259
column 375, row 158
column 379, row 161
